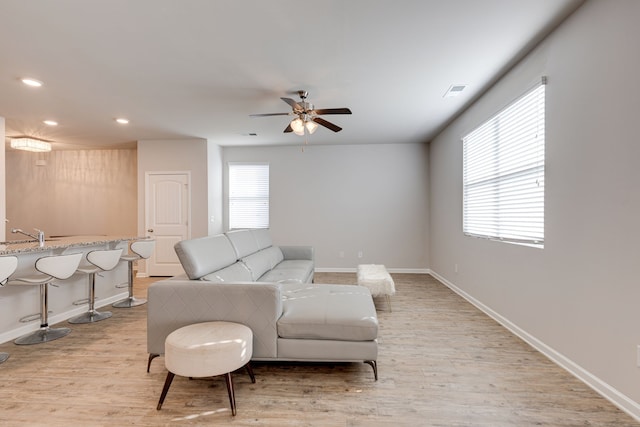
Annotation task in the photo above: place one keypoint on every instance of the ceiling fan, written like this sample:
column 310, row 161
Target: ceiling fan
column 306, row 116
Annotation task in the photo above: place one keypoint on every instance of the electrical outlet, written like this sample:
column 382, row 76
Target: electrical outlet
column 455, row 268
column 359, row 254
column 341, row 254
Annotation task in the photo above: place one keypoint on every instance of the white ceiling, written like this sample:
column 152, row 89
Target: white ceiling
column 198, row 68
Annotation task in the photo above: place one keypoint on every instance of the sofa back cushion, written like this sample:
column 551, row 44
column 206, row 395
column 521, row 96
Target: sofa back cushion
column 237, row 272
column 205, row 255
column 258, row 263
column 243, row 242
column 274, row 254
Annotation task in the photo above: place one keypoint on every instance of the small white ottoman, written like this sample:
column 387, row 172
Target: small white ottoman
column 378, row 280
column 206, row 350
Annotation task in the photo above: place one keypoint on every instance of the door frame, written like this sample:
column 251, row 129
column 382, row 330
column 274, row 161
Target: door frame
column 144, row 272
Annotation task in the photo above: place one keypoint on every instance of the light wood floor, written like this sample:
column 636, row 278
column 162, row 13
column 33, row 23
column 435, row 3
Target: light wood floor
column 441, row 363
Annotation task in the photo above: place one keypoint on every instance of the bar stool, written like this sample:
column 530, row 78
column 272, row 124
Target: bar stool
column 99, row 260
column 8, row 265
column 140, row 249
column 48, row 268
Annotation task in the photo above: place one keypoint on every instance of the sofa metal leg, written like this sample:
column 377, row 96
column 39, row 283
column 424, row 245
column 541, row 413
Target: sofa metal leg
column 151, row 357
column 374, row 365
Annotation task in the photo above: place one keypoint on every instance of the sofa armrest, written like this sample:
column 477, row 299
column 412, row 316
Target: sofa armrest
column 173, row 304
column 297, row 252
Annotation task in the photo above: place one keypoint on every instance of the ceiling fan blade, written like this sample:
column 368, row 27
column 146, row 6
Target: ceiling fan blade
column 327, row 124
column 292, row 103
column 269, row 114
column 322, row 111
column 288, row 129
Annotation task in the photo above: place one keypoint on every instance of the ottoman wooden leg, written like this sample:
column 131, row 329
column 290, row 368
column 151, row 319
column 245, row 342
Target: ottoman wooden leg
column 250, row 371
column 165, row 389
column 232, row 396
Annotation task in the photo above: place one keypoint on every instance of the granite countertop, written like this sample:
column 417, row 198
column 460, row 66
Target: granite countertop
column 26, row 246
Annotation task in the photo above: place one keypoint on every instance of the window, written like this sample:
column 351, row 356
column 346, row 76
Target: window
column 248, row 195
column 503, row 173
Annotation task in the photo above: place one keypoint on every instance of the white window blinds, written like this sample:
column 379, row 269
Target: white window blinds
column 503, row 173
column 248, row 195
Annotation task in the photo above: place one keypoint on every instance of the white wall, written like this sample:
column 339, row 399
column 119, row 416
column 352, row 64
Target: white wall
column 77, row 192
column 3, row 200
column 346, row 199
column 177, row 155
column 580, row 295
column 215, row 181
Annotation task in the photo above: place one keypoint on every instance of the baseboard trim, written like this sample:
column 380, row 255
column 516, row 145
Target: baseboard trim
column 355, row 269
column 623, row 402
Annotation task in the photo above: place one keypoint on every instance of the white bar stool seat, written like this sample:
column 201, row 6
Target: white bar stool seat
column 48, row 268
column 99, row 260
column 140, row 249
column 8, row 265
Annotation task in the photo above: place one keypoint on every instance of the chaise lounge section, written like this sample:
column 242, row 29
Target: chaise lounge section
column 242, row 277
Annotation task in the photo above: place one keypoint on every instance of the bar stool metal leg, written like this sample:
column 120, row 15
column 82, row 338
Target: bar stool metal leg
column 99, row 260
column 92, row 315
column 45, row 333
column 140, row 249
column 130, row 301
column 48, row 268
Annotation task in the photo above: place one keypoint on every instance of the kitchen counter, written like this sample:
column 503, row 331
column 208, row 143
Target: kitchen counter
column 15, row 247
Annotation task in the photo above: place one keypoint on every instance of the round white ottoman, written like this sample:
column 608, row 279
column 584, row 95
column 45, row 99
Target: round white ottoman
column 206, row 350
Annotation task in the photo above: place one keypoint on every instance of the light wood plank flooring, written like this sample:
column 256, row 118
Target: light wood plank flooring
column 441, row 363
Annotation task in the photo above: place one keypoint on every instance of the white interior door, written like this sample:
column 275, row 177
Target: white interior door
column 168, row 212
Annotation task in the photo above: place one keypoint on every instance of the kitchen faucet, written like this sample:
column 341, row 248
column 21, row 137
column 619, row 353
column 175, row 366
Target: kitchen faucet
column 39, row 237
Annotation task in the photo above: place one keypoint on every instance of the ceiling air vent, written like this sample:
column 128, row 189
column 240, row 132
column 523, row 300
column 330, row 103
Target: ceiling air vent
column 454, row 90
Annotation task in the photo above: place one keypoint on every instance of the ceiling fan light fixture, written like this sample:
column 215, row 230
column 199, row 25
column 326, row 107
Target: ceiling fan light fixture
column 30, row 144
column 298, row 126
column 311, row 126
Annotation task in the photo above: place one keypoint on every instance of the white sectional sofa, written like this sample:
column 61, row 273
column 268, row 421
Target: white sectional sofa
column 242, row 277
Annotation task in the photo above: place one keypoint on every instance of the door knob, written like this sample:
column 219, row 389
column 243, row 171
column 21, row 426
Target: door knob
column 150, row 230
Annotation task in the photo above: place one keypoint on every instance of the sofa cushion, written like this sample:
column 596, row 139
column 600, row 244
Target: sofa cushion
column 258, row 263
column 237, row 272
column 262, row 236
column 243, row 242
column 205, row 255
column 289, row 271
column 329, row 312
column 274, row 254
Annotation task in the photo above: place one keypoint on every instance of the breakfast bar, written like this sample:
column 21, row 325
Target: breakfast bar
column 19, row 305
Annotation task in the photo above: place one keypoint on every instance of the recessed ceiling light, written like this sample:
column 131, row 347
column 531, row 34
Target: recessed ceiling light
column 50, row 123
column 31, row 82
column 454, row 90
column 122, row 121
